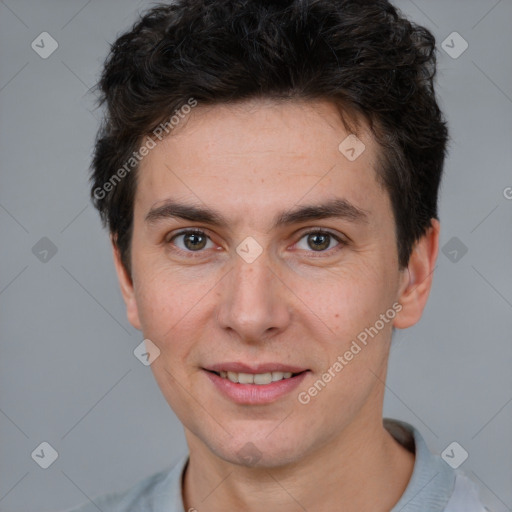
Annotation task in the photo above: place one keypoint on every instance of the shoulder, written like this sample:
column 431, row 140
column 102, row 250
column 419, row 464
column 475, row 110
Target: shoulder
column 160, row 491
column 434, row 485
column 464, row 497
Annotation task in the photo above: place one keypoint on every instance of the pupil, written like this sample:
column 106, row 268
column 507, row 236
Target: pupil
column 195, row 236
column 325, row 237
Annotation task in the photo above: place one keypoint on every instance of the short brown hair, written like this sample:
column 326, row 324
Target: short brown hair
column 364, row 56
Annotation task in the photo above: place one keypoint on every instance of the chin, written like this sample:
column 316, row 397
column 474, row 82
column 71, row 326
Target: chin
column 260, row 452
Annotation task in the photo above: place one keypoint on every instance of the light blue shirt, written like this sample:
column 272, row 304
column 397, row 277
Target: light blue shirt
column 434, row 486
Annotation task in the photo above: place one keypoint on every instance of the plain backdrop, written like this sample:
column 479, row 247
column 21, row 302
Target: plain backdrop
column 68, row 373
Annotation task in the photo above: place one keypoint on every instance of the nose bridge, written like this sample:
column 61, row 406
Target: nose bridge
column 252, row 299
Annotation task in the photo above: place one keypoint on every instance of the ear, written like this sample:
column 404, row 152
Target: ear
column 417, row 278
column 126, row 284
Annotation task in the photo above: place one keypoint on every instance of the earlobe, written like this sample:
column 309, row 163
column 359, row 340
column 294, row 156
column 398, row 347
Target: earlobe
column 127, row 289
column 417, row 281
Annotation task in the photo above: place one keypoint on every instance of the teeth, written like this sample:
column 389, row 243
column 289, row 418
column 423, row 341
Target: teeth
column 258, row 378
column 245, row 378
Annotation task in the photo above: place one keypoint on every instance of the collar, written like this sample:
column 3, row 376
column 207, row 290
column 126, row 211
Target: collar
column 432, row 481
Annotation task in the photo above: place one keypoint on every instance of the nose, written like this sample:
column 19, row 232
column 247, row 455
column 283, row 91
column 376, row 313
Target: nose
column 253, row 301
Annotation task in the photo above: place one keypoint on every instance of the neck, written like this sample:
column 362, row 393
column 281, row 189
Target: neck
column 364, row 469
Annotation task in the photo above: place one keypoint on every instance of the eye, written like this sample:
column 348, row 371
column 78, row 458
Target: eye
column 194, row 240
column 320, row 240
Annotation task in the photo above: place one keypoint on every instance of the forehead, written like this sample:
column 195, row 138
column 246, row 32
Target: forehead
column 261, row 157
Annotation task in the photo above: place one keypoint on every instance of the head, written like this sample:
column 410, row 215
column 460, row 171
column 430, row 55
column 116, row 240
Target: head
column 303, row 144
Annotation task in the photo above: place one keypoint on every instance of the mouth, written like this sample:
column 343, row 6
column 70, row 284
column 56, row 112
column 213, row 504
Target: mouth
column 259, row 379
column 255, row 385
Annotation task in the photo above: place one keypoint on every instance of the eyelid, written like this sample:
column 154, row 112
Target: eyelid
column 185, row 231
column 338, row 236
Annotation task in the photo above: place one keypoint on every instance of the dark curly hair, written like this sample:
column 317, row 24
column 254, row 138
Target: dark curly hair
column 362, row 55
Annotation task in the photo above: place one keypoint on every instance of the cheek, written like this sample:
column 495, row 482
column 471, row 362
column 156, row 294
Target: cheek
column 175, row 307
column 162, row 303
column 349, row 304
column 345, row 299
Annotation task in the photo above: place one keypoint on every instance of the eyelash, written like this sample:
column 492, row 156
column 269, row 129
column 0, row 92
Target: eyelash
column 341, row 243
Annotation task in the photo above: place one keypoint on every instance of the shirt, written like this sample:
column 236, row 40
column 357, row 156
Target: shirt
column 433, row 487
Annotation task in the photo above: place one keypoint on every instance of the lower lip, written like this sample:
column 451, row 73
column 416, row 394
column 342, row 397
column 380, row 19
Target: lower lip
column 255, row 394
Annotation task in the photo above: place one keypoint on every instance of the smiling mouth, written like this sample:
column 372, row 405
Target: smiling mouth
column 255, row 378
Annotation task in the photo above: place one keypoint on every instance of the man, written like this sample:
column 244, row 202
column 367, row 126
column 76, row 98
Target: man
column 269, row 174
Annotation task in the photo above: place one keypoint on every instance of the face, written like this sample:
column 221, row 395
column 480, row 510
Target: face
column 264, row 291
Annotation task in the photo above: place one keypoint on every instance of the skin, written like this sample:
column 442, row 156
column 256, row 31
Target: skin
column 294, row 304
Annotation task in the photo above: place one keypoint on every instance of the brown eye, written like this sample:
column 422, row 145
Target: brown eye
column 192, row 240
column 320, row 241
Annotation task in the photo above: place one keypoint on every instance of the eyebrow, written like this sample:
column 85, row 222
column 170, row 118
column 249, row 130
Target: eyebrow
column 335, row 208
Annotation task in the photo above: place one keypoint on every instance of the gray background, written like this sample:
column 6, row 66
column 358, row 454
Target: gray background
column 68, row 375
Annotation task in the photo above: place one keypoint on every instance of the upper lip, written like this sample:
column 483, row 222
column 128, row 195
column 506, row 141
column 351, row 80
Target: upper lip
column 238, row 367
